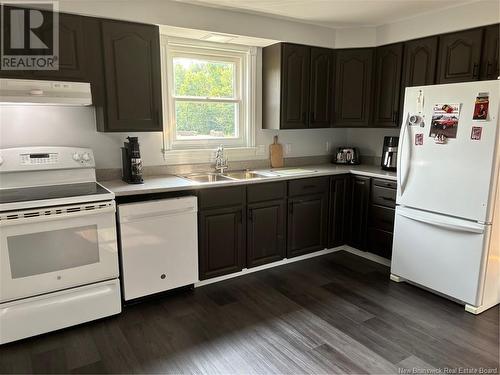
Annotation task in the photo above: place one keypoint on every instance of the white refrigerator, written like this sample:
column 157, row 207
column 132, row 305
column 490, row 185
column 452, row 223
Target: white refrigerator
column 447, row 225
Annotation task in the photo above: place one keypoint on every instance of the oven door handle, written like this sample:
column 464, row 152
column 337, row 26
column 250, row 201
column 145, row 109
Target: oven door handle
column 49, row 214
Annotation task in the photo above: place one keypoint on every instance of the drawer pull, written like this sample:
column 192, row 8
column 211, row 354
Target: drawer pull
column 388, row 199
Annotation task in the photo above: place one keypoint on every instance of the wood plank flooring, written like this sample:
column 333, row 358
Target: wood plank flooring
column 333, row 314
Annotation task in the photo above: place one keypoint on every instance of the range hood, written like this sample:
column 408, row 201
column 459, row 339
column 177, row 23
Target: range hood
column 37, row 92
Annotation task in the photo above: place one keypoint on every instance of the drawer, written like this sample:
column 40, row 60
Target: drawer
column 221, row 197
column 382, row 218
column 308, row 186
column 384, row 196
column 266, row 191
column 380, row 242
column 384, row 183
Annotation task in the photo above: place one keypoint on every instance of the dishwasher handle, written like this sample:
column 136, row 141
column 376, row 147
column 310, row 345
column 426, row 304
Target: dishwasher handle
column 157, row 214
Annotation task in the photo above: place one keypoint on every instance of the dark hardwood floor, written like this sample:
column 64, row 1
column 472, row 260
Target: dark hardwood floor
column 333, row 314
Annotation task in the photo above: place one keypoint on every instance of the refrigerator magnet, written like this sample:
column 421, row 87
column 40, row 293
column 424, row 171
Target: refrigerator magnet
column 445, row 120
column 419, row 139
column 481, row 106
column 476, row 132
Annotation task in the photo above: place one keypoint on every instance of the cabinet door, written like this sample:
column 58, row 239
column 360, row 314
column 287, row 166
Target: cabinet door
column 389, row 60
column 459, row 56
column 353, row 88
column 338, row 213
column 359, row 198
column 72, row 62
column 133, row 77
column 265, row 232
column 307, row 222
column 322, row 87
column 295, row 86
column 221, row 241
column 420, row 57
column 491, row 52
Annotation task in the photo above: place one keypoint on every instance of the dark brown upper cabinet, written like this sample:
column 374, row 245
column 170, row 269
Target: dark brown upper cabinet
column 387, row 80
column 72, row 59
column 459, row 56
column 132, row 73
column 353, row 87
column 321, row 87
column 297, row 86
column 491, row 53
column 419, row 65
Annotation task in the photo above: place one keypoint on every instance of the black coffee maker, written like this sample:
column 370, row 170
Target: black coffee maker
column 131, row 161
column 390, row 153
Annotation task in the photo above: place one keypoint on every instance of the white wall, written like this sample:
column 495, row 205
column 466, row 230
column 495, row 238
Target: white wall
column 75, row 126
column 369, row 141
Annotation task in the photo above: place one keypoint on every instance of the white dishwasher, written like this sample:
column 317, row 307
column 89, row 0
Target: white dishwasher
column 159, row 245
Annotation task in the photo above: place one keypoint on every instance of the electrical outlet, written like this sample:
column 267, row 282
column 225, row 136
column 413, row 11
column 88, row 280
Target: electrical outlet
column 288, row 148
column 328, row 147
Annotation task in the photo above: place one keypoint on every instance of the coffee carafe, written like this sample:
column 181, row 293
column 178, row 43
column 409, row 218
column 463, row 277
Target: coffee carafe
column 131, row 161
column 390, row 153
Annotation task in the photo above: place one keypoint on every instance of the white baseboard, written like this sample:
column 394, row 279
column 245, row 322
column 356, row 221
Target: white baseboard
column 245, row 271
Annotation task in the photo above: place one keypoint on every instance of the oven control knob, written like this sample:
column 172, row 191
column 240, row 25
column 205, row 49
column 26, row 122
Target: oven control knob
column 76, row 156
column 86, row 156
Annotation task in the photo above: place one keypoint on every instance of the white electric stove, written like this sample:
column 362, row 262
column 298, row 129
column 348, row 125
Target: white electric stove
column 58, row 244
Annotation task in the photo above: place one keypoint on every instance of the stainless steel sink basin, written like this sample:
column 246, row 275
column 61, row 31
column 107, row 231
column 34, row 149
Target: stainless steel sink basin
column 206, row 177
column 243, row 175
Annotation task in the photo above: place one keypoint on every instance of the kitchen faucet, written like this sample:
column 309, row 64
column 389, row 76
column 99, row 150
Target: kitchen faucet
column 220, row 160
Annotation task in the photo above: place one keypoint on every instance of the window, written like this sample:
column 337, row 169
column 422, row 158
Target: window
column 209, row 91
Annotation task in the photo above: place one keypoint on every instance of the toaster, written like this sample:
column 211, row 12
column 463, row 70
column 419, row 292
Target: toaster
column 346, row 155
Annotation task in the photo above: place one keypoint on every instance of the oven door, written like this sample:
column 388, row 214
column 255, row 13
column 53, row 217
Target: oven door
column 56, row 248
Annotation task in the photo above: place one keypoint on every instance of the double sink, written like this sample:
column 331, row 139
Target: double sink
column 228, row 176
column 207, row 177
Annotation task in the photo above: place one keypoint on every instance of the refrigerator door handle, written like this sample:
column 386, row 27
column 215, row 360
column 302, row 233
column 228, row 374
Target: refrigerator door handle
column 400, row 179
column 443, row 224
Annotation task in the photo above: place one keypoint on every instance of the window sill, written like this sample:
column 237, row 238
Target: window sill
column 197, row 156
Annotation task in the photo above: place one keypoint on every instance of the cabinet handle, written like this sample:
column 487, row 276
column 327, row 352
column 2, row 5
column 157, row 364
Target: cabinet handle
column 488, row 68
column 474, row 70
column 388, row 199
column 395, row 116
column 250, row 214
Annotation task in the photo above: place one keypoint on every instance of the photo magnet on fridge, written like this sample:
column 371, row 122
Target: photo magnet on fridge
column 419, row 139
column 481, row 106
column 475, row 134
column 445, row 120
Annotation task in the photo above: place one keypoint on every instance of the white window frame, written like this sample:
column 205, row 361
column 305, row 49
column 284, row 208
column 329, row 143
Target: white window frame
column 201, row 150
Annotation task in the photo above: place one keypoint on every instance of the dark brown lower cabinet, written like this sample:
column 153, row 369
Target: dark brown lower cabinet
column 221, row 241
column 358, row 217
column 381, row 217
column 265, row 232
column 307, row 224
column 339, row 209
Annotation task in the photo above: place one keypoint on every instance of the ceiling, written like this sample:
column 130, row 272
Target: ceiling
column 336, row 13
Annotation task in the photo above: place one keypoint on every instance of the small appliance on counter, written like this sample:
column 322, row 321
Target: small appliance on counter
column 131, row 161
column 346, row 155
column 390, row 153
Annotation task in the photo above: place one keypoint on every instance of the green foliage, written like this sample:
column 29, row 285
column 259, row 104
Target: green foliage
column 198, row 78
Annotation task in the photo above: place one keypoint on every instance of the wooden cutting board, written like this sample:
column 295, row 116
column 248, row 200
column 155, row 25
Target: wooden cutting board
column 276, row 153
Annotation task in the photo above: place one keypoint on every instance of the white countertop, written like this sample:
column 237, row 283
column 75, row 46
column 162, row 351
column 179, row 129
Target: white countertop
column 169, row 183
